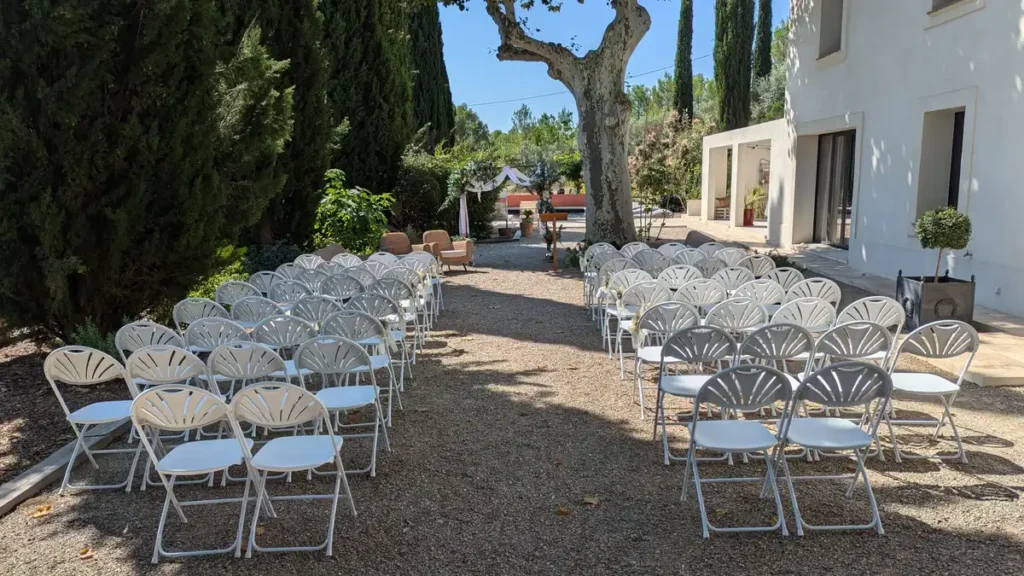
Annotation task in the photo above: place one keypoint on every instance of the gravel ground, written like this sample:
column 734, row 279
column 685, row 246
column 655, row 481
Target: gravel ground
column 515, row 417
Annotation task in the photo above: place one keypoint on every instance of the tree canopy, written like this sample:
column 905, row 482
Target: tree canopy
column 432, row 95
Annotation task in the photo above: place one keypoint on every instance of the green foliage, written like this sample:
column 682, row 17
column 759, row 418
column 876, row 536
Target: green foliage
column 261, row 257
column 110, row 197
column 763, row 40
column 944, row 228
column 431, row 93
column 757, row 200
column 481, row 211
column 768, row 93
column 526, row 216
column 420, row 193
column 734, row 35
column 469, row 132
column 367, row 43
column 91, row 335
column 682, row 99
column 352, row 217
column 229, row 266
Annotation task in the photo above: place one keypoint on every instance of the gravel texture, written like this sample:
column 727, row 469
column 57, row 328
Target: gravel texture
column 516, row 419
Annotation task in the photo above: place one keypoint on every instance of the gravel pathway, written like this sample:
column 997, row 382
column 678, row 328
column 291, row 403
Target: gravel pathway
column 521, row 452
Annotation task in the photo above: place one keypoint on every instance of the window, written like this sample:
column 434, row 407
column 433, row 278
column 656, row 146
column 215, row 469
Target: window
column 940, row 4
column 942, row 145
column 830, row 39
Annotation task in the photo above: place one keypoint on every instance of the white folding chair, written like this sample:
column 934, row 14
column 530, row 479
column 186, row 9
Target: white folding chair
column 284, row 334
column 709, row 249
column 737, row 389
column 363, row 275
column 191, row 309
column 880, row 310
column 758, row 264
column 941, row 339
column 408, row 300
column 702, row 293
column 709, row 266
column 341, row 287
column 696, row 348
column 386, row 258
column 732, row 278
column 632, row 248
column 289, row 270
column 232, row 291
column 651, row 261
column 654, row 326
column 837, row 386
column 786, row 277
column 240, row 364
column 330, row 268
column 263, row 280
column 391, row 315
column 860, row 340
column 347, row 260
column 206, row 334
column 775, row 345
column 333, row 360
column 375, row 267
column 140, row 334
column 371, row 334
column 82, row 366
column 815, row 314
column 613, row 291
column 287, row 292
column 309, row 261
column 675, row 276
column 604, row 274
column 768, row 292
column 312, row 278
column 248, row 312
column 816, row 288
column 278, row 406
column 315, row 309
column 687, row 257
column 731, row 256
column 670, row 249
column 181, row 409
column 738, row 316
column 634, row 301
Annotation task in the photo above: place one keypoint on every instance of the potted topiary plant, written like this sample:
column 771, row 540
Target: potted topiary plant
column 526, row 223
column 929, row 298
column 753, row 205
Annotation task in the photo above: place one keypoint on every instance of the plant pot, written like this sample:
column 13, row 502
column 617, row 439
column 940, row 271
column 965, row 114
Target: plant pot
column 693, row 207
column 527, row 227
column 506, row 232
column 748, row 216
column 926, row 301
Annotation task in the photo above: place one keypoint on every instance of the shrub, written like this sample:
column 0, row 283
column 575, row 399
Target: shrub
column 89, row 334
column 259, row 257
column 230, row 266
column 352, row 217
column 420, row 193
column 944, row 229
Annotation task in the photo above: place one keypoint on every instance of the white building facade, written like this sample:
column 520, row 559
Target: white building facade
column 894, row 108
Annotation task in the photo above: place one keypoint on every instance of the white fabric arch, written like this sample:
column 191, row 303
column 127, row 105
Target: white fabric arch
column 507, row 173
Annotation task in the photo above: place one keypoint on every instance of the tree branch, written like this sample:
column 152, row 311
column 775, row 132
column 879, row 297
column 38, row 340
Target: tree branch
column 623, row 35
column 517, row 45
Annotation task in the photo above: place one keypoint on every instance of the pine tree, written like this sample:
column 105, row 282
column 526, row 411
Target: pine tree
column 734, row 36
column 369, row 86
column 682, row 99
column 763, row 42
column 432, row 95
column 110, row 197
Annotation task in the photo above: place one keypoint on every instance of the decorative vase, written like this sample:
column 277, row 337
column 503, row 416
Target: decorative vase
column 925, row 300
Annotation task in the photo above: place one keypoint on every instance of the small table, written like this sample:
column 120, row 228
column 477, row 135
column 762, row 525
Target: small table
column 554, row 217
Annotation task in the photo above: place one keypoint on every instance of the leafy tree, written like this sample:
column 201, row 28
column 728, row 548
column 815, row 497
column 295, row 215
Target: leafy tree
column 734, row 35
column 469, row 131
column 683, row 97
column 943, row 229
column 768, row 93
column 110, row 197
column 352, row 217
column 763, row 41
column 432, row 95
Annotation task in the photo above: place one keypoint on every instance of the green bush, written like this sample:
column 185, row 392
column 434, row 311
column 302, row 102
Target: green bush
column 89, row 334
column 230, row 266
column 944, row 229
column 353, row 217
column 260, row 257
column 420, row 193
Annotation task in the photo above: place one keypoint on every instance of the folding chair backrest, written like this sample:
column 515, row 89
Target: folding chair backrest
column 386, row 258
column 878, row 309
column 776, row 342
column 232, row 291
column 158, row 365
column 354, row 325
column 814, row 314
column 764, row 291
column 623, row 280
column 675, row 276
column 254, row 309
column 731, row 256
column 854, row 341
column 671, row 249
column 289, row 291
column 632, row 248
column 289, row 270
column 737, row 314
column 816, row 288
column 407, row 274
column 732, row 278
column 191, row 309
column 283, row 331
column 746, row 388
column 375, row 267
column 758, row 264
column 347, row 260
column 206, row 334
column 941, row 339
column 342, row 286
column 709, row 266
column 598, row 259
column 651, row 261
column 309, row 261
column 263, row 280
column 138, row 335
column 176, row 408
column 598, row 248
column 613, row 267
column 327, row 355
column 845, row 384
column 330, row 268
column 275, row 405
column 393, row 288
column 700, row 345
column 363, row 275
column 702, row 292
column 786, row 277
column 315, row 309
column 666, row 318
column 245, row 361
column 377, row 305
column 709, row 249
column 644, row 294
column 687, row 257
column 81, row 366
column 312, row 278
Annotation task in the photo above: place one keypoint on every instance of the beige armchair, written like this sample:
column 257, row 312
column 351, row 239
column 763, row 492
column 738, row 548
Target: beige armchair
column 398, row 243
column 449, row 253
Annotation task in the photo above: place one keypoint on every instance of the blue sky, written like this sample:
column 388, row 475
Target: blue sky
column 476, row 75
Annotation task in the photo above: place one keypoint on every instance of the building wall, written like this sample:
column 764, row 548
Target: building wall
column 898, row 62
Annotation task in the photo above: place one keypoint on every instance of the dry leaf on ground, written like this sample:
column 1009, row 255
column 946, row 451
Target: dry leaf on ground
column 86, row 553
column 591, row 499
column 562, row 511
column 42, row 510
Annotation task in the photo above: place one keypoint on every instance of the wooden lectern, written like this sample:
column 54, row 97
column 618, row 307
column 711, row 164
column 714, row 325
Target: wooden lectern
column 554, row 217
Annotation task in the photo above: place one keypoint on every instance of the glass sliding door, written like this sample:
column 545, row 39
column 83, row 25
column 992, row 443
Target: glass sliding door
column 833, row 201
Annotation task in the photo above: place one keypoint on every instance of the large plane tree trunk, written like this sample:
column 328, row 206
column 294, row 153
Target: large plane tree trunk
column 597, row 81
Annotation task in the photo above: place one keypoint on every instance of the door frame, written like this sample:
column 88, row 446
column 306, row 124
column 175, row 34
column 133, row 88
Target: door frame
column 850, row 121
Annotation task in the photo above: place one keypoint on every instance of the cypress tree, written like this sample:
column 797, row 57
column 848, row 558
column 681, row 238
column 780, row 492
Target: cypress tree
column 682, row 99
column 369, row 86
column 763, row 42
column 734, row 36
column 431, row 95
column 110, row 197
